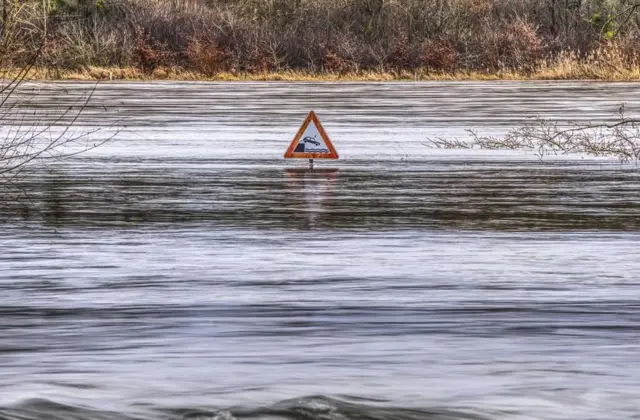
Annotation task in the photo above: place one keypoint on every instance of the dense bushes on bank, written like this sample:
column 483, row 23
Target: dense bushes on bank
column 335, row 36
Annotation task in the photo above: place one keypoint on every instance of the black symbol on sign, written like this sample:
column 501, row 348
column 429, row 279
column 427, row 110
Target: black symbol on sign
column 300, row 148
column 311, row 140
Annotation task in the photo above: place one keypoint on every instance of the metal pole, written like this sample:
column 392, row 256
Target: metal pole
column 311, row 164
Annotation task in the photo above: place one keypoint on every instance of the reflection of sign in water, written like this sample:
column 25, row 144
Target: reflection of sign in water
column 315, row 187
column 311, row 141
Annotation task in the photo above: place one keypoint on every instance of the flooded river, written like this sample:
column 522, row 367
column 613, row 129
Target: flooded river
column 185, row 270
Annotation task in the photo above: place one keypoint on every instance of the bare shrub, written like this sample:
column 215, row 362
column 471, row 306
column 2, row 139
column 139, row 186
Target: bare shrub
column 41, row 136
column 31, row 134
column 149, row 53
column 439, row 55
column 520, row 46
column 333, row 63
column 620, row 139
column 205, row 57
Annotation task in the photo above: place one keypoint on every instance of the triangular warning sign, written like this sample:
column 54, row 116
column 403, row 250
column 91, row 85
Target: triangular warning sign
column 311, row 141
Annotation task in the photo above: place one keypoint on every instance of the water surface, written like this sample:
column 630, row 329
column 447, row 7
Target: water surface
column 185, row 270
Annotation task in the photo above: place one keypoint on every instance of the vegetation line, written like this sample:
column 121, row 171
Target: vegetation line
column 573, row 71
column 325, row 39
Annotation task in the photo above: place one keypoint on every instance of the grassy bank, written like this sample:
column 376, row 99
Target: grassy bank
column 132, row 74
column 568, row 68
column 323, row 39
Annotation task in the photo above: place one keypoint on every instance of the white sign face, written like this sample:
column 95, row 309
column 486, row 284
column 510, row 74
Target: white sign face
column 311, row 141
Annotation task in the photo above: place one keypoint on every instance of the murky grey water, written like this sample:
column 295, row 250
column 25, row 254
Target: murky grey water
column 186, row 270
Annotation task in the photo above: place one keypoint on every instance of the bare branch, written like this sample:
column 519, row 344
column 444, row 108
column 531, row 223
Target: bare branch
column 32, row 135
column 620, row 139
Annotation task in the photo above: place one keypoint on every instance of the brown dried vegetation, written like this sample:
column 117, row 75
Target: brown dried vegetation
column 209, row 37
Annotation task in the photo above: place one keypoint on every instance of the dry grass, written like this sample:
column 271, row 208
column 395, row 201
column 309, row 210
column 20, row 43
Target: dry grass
column 565, row 67
column 607, row 62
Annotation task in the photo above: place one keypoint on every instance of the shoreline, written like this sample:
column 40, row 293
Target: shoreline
column 181, row 75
